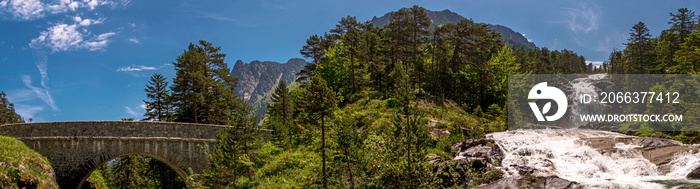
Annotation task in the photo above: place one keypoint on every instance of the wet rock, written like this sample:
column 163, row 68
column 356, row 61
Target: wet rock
column 479, row 153
column 469, row 155
column 523, row 170
column 695, row 174
column 433, row 159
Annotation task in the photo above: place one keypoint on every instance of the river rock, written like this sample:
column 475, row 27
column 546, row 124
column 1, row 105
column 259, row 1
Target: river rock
column 518, row 181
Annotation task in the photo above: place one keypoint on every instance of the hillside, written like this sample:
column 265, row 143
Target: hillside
column 257, row 79
column 21, row 167
column 508, row 36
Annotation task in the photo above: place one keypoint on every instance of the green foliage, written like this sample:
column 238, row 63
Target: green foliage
column 408, row 139
column 7, row 111
column 687, row 56
column 22, row 167
column 295, row 168
column 320, row 101
column 96, row 180
column 129, row 172
column 347, row 150
column 674, row 51
column 234, row 155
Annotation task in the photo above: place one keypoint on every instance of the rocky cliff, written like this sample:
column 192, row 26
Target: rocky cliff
column 257, row 80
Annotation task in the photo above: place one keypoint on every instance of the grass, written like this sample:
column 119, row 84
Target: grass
column 297, row 168
column 21, row 167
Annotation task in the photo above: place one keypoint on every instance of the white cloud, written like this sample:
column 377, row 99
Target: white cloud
column 104, row 36
column 20, row 95
column 134, row 40
column 27, row 111
column 612, row 41
column 595, row 63
column 131, row 111
column 583, row 18
column 86, row 22
column 61, row 37
column 136, row 68
column 65, row 37
column 92, row 4
column 24, row 9
column 34, row 9
column 42, row 93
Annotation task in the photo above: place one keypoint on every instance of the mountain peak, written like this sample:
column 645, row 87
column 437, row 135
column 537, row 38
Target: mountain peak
column 257, row 79
column 508, row 36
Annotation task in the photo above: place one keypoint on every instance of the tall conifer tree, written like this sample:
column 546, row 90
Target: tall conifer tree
column 158, row 108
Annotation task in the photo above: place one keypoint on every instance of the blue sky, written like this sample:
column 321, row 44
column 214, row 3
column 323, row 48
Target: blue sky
column 64, row 60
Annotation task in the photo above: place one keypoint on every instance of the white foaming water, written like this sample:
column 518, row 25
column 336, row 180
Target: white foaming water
column 584, row 85
column 566, row 154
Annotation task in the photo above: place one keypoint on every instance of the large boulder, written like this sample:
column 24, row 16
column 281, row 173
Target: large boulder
column 478, row 152
column 528, row 181
column 469, row 156
column 695, row 174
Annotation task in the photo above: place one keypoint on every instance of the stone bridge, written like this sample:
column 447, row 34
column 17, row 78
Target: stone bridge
column 77, row 148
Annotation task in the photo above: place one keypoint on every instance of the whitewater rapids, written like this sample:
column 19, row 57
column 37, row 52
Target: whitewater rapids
column 568, row 155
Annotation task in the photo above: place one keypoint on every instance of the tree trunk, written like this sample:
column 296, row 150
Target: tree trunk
column 323, row 151
column 352, row 180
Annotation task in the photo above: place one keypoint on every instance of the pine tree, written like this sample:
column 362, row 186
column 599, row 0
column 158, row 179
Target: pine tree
column 688, row 56
column 281, row 112
column 665, row 49
column 617, row 64
column 348, row 148
column 203, row 89
column 349, row 30
column 315, row 48
column 234, row 153
column 407, row 33
column 7, row 111
column 462, row 53
column 158, row 108
column 374, row 56
column 638, row 50
column 409, row 137
column 320, row 101
column 683, row 22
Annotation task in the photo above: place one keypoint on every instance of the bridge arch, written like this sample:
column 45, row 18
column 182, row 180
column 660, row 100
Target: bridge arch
column 77, row 148
column 104, row 158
